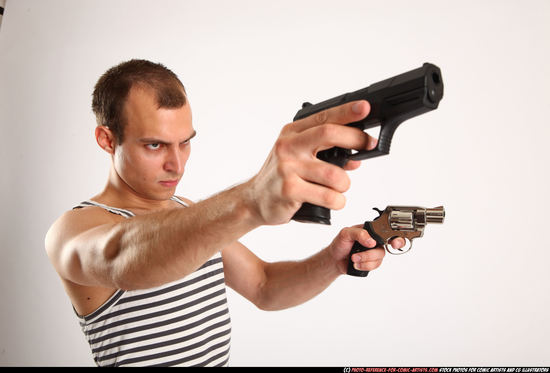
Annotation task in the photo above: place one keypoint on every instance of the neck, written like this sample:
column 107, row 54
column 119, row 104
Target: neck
column 117, row 193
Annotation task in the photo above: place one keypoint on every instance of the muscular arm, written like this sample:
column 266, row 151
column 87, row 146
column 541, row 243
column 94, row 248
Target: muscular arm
column 275, row 286
column 91, row 249
column 152, row 249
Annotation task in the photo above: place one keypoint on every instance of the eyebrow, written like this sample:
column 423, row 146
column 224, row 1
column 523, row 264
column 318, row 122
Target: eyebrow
column 152, row 140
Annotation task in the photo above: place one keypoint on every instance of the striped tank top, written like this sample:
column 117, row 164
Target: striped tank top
column 181, row 323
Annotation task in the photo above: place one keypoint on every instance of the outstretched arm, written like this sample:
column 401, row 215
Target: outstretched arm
column 280, row 285
column 90, row 249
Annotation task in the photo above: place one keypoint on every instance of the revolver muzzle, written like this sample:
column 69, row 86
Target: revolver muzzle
column 435, row 215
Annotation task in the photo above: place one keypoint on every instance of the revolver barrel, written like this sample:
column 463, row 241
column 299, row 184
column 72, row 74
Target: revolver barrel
column 435, row 215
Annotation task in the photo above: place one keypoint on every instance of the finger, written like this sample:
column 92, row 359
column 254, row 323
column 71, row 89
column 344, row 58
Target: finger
column 342, row 114
column 352, row 165
column 325, row 174
column 373, row 141
column 325, row 197
column 300, row 190
column 330, row 135
column 370, row 255
column 348, row 236
column 397, row 242
column 367, row 266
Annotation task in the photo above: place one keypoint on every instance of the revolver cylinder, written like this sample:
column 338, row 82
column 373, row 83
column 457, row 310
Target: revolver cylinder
column 414, row 218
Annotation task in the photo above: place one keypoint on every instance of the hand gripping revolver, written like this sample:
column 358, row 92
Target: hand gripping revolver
column 407, row 222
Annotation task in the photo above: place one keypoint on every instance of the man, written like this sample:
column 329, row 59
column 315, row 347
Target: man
column 146, row 271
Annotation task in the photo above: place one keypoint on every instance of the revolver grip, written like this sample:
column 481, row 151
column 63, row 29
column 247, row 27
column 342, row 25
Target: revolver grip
column 357, row 247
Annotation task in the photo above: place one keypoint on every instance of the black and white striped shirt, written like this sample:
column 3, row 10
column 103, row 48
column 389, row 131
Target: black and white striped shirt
column 182, row 323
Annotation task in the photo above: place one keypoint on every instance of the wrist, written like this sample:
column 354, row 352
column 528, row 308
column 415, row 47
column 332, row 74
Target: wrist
column 246, row 205
column 333, row 265
column 338, row 264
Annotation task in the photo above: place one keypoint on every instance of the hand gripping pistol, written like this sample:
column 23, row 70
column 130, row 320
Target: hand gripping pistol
column 392, row 101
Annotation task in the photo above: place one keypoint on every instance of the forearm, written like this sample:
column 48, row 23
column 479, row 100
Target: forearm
column 289, row 284
column 170, row 244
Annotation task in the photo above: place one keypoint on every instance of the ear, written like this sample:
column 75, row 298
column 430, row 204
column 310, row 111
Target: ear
column 105, row 139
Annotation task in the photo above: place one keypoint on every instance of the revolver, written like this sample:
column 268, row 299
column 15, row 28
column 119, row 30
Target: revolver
column 407, row 222
column 392, row 101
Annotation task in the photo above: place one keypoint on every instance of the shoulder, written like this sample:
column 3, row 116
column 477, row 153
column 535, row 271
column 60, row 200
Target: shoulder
column 188, row 202
column 74, row 222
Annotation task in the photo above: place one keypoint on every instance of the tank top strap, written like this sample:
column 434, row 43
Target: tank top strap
column 114, row 210
column 180, row 201
column 122, row 212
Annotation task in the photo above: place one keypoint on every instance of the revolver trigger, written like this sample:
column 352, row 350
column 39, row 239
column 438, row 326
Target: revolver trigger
column 402, row 250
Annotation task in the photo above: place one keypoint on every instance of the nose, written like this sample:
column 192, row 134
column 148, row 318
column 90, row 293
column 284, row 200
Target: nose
column 174, row 161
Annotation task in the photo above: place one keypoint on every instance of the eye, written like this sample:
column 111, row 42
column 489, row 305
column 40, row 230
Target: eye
column 154, row 146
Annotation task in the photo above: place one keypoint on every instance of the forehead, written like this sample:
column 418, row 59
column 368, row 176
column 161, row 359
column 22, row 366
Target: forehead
column 145, row 119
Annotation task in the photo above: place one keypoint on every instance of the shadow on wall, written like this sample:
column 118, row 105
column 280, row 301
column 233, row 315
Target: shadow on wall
column 2, row 7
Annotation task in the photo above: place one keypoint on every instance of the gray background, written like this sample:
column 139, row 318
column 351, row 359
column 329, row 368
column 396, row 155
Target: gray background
column 473, row 291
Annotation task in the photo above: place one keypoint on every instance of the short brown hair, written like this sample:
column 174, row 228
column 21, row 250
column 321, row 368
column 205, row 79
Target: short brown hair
column 112, row 88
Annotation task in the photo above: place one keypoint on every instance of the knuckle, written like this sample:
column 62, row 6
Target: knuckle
column 284, row 169
column 327, row 131
column 321, row 117
column 281, row 146
column 346, row 233
column 337, row 178
column 369, row 265
column 287, row 128
column 331, row 174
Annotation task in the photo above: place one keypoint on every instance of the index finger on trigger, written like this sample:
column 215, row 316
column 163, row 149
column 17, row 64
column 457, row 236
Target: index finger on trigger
column 397, row 242
column 329, row 135
column 343, row 114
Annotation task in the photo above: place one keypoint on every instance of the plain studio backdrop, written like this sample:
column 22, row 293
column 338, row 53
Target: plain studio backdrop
column 473, row 291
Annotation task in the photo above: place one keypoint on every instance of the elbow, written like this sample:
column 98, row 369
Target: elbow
column 263, row 299
column 266, row 307
column 270, row 305
column 114, row 255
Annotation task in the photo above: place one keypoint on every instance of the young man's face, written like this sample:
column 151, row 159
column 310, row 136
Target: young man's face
column 155, row 147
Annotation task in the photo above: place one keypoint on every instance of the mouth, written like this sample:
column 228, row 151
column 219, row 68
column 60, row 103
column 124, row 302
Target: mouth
column 169, row 183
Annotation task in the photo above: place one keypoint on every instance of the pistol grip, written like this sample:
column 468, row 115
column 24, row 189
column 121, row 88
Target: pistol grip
column 309, row 213
column 357, row 247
